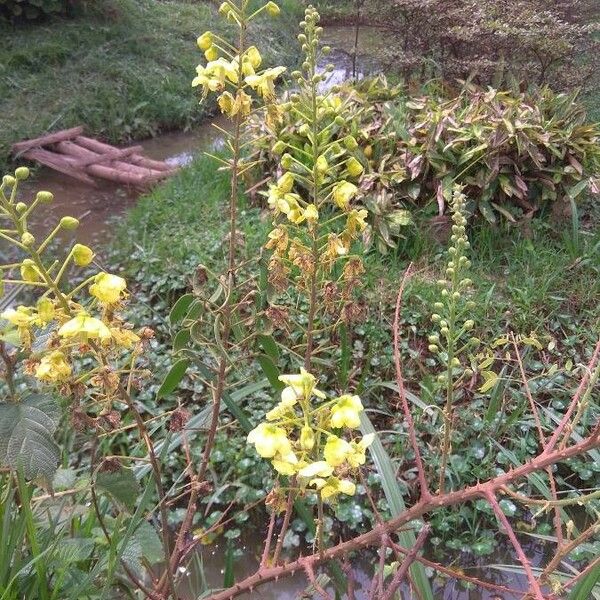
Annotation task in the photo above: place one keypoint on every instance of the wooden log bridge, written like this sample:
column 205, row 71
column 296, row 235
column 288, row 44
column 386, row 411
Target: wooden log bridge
column 84, row 158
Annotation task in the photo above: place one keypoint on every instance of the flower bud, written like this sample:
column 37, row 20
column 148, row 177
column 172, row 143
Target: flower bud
column 468, row 373
column 438, row 305
column 27, row 239
column 69, row 223
column 355, row 169
column 435, row 318
column 279, row 147
column 444, row 331
column 433, row 339
column 322, row 164
column 307, row 438
column 287, row 161
column 474, row 341
column 22, row 173
column 44, row 197
column 21, row 207
column 326, row 50
column 456, row 296
column 340, row 121
column 45, row 309
column 205, row 41
column 211, row 53
column 350, row 142
column 455, row 362
column 29, row 271
column 9, row 180
column 82, row 255
column 304, row 129
column 469, row 325
column 272, row 9
column 433, row 348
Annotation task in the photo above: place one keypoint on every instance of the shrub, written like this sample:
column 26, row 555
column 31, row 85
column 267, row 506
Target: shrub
column 515, row 152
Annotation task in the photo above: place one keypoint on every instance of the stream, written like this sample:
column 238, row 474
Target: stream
column 98, row 207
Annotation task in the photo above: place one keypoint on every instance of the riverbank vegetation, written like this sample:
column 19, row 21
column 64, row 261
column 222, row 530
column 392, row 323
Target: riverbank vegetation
column 120, row 68
column 373, row 312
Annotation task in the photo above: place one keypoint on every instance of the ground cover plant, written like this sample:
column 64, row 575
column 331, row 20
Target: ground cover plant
column 337, row 375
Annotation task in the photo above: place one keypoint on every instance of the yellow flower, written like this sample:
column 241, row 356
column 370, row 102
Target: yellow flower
column 270, row 440
column 322, row 164
column 300, row 386
column 285, row 183
column 356, row 221
column 286, row 464
column 311, row 214
column 336, row 450
column 316, row 469
column 215, row 74
column 205, row 41
column 45, row 308
column 335, row 486
column 346, row 411
column 358, row 455
column 278, row 239
column 354, row 167
column 53, row 367
column 337, row 246
column 307, row 438
column 24, row 317
column 241, row 104
column 82, row 255
column 282, row 409
column 343, row 192
column 264, row 84
column 253, row 55
column 85, row 328
column 29, row 272
column 211, row 53
column 108, row 288
column 124, row 337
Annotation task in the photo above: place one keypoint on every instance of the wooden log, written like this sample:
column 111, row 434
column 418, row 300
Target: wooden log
column 137, row 159
column 44, row 140
column 74, row 149
column 115, row 154
column 59, row 163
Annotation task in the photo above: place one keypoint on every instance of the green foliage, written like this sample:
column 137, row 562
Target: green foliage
column 27, row 429
column 123, row 75
column 514, row 153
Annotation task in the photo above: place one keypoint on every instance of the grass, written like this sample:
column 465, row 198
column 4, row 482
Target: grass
column 124, row 73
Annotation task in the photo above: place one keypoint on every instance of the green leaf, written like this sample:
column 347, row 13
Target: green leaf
column 152, row 548
column 585, row 588
column 229, row 573
column 269, row 345
column 121, row 485
column 180, row 309
column 271, row 372
column 27, row 436
column 577, row 189
column 181, row 340
column 173, row 378
column 393, row 495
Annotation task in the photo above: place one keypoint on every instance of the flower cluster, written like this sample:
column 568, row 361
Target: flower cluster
column 313, row 201
column 305, row 441
column 65, row 323
column 453, row 314
column 233, row 72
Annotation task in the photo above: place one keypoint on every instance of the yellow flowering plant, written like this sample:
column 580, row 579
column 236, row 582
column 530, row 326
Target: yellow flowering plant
column 66, row 321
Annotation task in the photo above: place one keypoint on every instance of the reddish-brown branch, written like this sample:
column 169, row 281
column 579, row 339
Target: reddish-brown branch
column 406, row 563
column 533, row 582
column 425, row 493
column 421, row 508
column 557, row 518
column 574, row 402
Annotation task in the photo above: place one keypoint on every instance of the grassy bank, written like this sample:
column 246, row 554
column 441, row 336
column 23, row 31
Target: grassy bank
column 122, row 71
